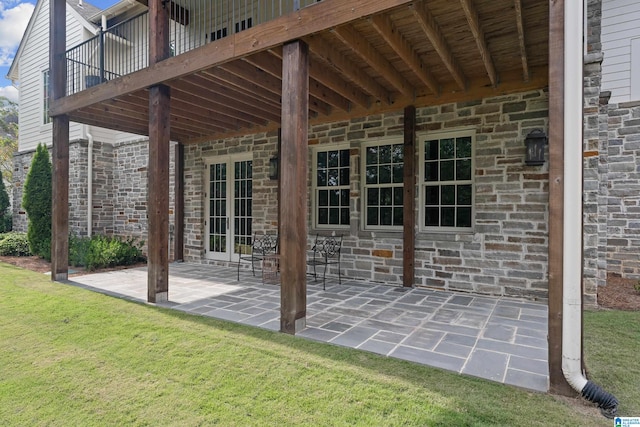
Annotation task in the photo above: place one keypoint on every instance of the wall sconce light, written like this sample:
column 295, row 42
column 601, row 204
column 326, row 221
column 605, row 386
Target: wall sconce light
column 273, row 168
column 534, row 143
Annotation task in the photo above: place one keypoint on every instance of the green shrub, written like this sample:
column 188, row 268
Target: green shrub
column 106, row 251
column 37, row 203
column 78, row 249
column 14, row 244
column 5, row 212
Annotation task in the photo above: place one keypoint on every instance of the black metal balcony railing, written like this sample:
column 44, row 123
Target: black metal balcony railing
column 124, row 48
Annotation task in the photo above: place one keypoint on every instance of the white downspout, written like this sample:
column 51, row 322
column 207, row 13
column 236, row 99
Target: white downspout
column 87, row 131
column 572, row 222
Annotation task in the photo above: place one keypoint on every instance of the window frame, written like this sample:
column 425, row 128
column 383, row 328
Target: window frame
column 422, row 137
column 314, row 186
column 45, row 92
column 396, row 140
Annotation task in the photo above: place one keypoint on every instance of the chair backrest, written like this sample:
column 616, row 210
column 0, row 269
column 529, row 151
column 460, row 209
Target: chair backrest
column 328, row 246
column 265, row 243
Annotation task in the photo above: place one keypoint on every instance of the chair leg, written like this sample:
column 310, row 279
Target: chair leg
column 339, row 276
column 324, row 277
column 239, row 261
column 253, row 266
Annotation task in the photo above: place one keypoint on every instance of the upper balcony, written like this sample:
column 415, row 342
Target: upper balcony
column 122, row 44
column 366, row 57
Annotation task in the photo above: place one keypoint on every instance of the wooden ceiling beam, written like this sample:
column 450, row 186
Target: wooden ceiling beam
column 329, row 55
column 273, row 65
column 245, row 86
column 96, row 118
column 521, row 39
column 187, row 92
column 312, row 19
column 252, row 105
column 361, row 46
column 332, row 80
column 478, row 33
column 185, row 116
column 386, row 29
column 267, row 81
column 434, row 34
column 192, row 110
column 240, row 110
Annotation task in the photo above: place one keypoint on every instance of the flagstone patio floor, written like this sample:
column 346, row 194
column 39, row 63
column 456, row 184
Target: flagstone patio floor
column 499, row 339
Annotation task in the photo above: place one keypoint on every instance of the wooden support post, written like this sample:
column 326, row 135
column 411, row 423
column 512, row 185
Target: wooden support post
column 178, row 212
column 293, row 177
column 557, row 381
column 60, row 199
column 60, row 165
column 158, row 194
column 158, row 169
column 409, row 201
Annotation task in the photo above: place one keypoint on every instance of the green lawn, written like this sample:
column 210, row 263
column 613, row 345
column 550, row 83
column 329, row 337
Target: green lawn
column 73, row 357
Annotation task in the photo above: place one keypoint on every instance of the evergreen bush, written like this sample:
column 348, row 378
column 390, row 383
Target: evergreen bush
column 14, row 244
column 5, row 212
column 37, row 203
column 104, row 251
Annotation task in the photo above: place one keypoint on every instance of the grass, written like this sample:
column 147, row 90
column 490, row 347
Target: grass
column 612, row 349
column 74, row 357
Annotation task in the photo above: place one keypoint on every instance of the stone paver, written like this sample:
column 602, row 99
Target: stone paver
column 499, row 339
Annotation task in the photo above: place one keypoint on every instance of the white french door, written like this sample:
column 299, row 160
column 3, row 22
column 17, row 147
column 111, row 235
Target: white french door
column 228, row 211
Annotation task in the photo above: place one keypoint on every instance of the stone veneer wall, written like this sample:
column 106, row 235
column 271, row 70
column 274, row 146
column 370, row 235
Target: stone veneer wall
column 264, row 191
column 623, row 208
column 595, row 164
column 119, row 189
column 507, row 253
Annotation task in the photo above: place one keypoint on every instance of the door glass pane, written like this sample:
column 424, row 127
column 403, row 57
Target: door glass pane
column 242, row 229
column 217, row 208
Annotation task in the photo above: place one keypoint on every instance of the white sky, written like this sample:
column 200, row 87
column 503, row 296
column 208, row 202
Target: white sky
column 14, row 17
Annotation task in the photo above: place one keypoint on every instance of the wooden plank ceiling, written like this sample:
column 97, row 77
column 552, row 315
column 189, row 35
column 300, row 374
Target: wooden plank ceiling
column 426, row 53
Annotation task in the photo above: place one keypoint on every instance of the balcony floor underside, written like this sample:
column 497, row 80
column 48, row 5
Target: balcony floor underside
column 421, row 53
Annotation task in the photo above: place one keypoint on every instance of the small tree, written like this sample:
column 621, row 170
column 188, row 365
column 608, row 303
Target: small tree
column 8, row 137
column 5, row 214
column 36, row 201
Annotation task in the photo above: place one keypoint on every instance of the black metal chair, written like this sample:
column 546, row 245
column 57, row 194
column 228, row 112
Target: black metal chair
column 326, row 251
column 261, row 246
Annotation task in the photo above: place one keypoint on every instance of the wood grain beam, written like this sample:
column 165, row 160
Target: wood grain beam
column 510, row 83
column 132, row 108
column 185, row 90
column 190, row 107
column 89, row 117
column 178, row 189
column 557, row 381
column 60, row 199
column 273, row 65
column 521, row 39
column 361, row 46
column 409, row 198
column 473, row 19
column 329, row 78
column 234, row 99
column 267, row 81
column 385, row 28
column 325, row 52
column 158, row 205
column 434, row 34
column 242, row 84
column 293, row 187
column 312, row 19
column 60, row 140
